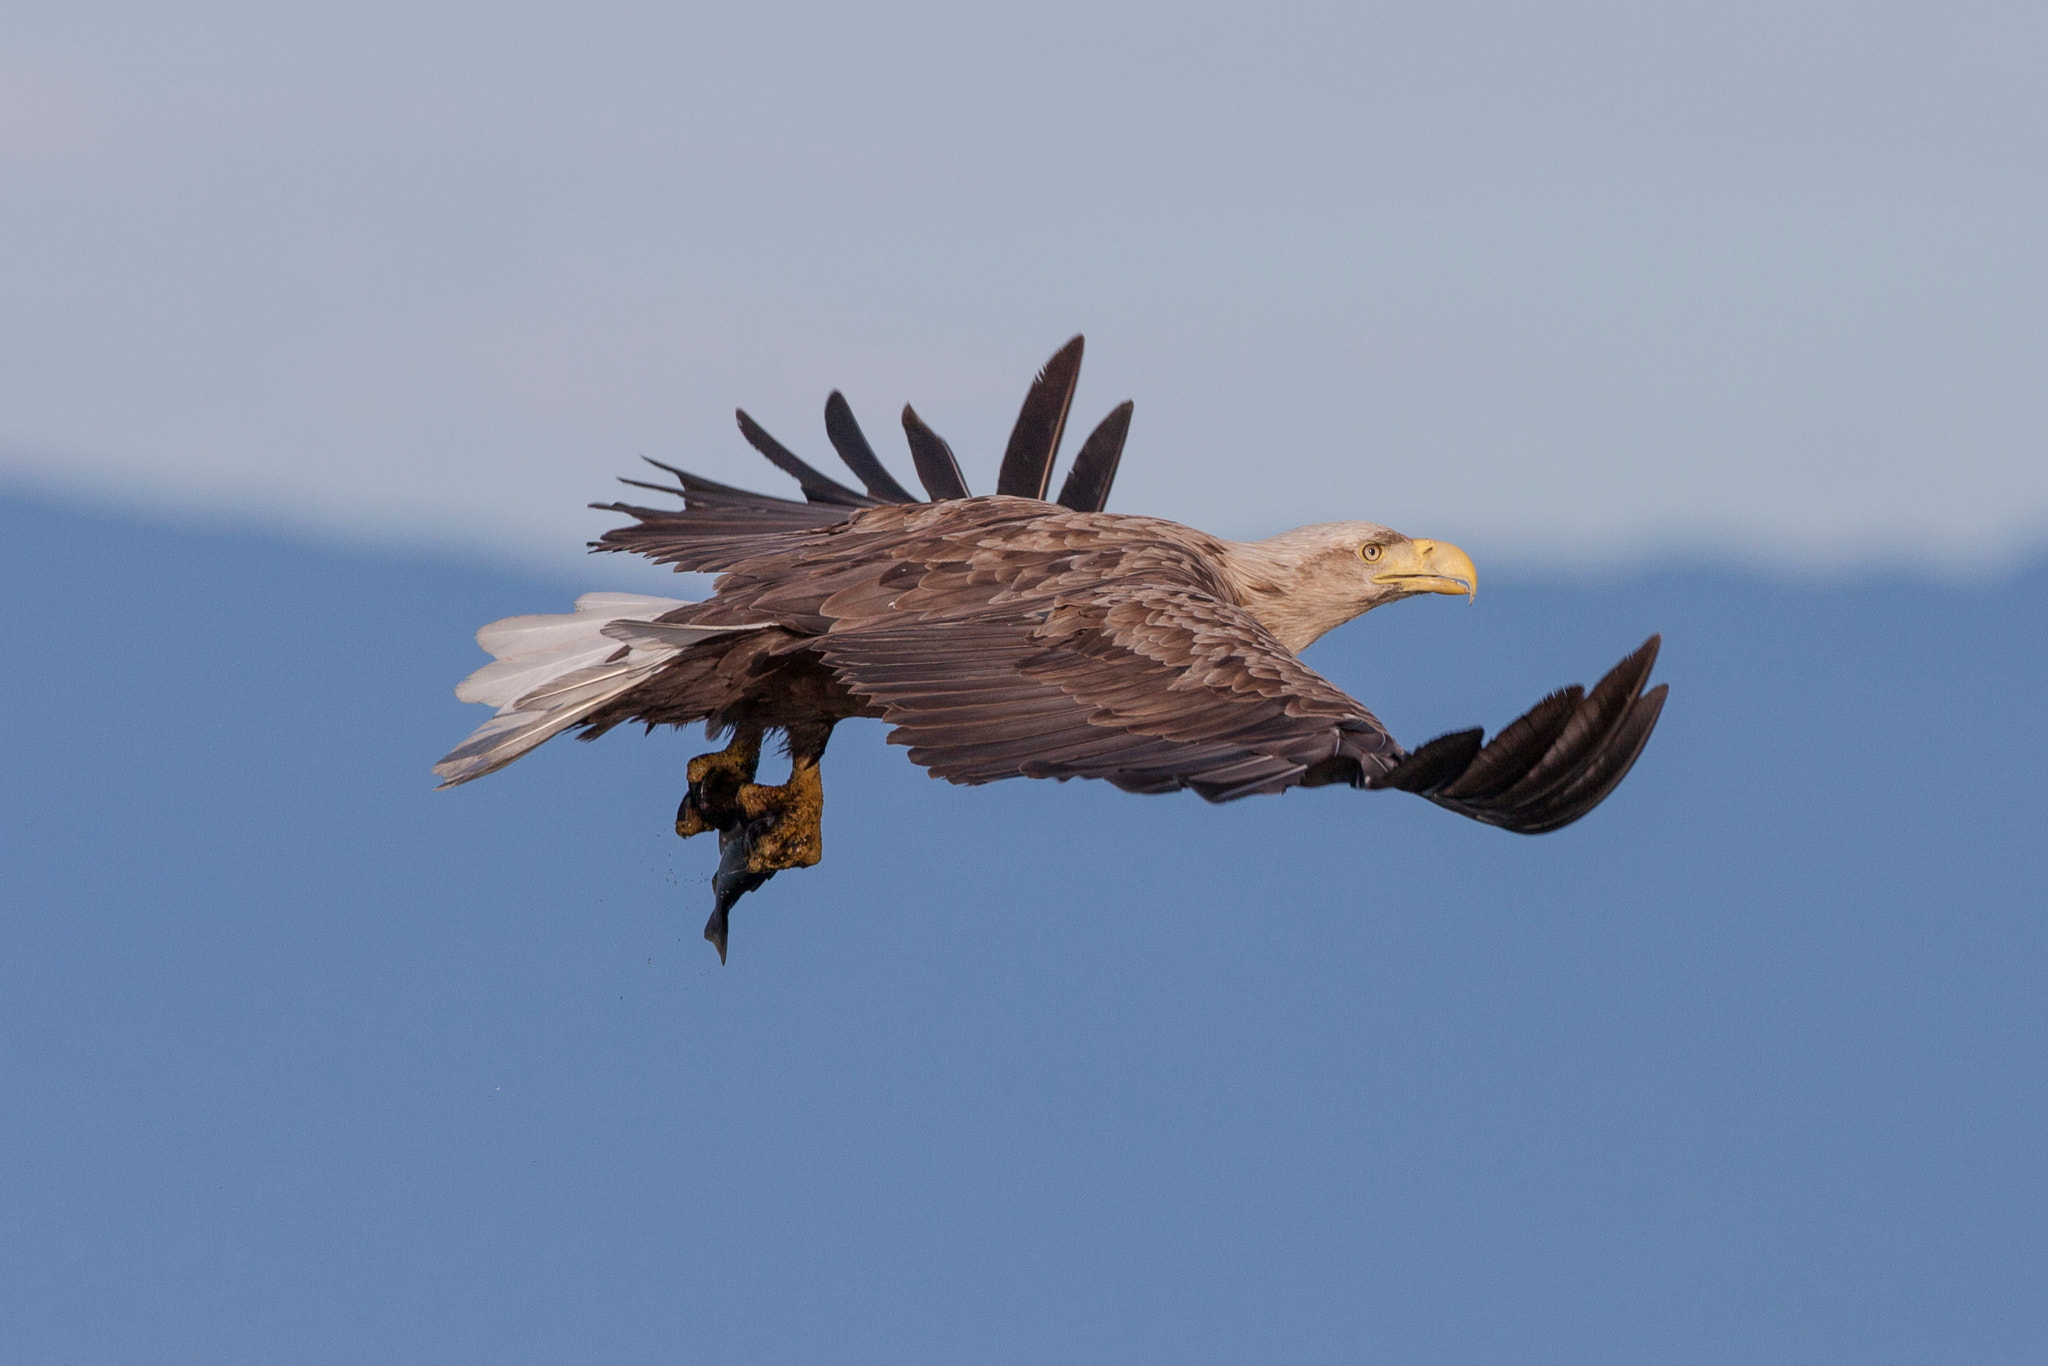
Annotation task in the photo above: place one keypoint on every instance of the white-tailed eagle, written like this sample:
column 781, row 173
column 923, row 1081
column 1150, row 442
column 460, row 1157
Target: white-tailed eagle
column 1008, row 636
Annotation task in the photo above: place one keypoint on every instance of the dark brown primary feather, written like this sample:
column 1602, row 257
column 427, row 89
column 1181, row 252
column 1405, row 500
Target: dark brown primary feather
column 852, row 444
column 1435, row 764
column 714, row 509
column 1087, row 486
column 739, row 511
column 1516, row 748
column 1550, row 767
column 937, row 470
column 1035, row 440
column 704, row 494
column 817, row 487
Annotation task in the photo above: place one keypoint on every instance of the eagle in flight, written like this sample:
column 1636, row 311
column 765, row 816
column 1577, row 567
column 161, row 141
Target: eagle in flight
column 1007, row 636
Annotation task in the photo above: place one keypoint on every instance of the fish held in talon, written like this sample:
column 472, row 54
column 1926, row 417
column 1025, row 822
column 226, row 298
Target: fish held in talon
column 735, row 877
column 1006, row 636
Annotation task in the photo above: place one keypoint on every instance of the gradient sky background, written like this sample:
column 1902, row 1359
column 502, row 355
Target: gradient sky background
column 1725, row 321
column 1554, row 281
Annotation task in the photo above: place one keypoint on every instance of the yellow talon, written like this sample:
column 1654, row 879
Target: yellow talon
column 796, row 838
column 715, row 783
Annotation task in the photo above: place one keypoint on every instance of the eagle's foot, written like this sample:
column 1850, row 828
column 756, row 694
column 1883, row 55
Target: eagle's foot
column 761, row 830
column 788, row 821
column 712, row 803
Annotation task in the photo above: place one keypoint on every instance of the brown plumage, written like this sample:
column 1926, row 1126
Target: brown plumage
column 1005, row 636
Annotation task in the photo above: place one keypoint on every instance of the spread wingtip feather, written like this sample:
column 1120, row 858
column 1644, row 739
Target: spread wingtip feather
column 1035, row 440
column 852, row 445
column 937, row 470
column 1550, row 766
column 1087, row 486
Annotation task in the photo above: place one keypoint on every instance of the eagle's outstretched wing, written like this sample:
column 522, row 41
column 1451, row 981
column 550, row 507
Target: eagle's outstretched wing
column 1156, row 689
column 1008, row 638
column 1551, row 766
column 1152, row 688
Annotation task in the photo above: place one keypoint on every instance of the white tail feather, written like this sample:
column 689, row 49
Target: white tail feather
column 659, row 633
column 552, row 671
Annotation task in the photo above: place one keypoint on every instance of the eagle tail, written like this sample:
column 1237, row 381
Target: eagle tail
column 551, row 672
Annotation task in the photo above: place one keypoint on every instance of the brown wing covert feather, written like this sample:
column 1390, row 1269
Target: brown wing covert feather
column 1006, row 640
column 1150, row 689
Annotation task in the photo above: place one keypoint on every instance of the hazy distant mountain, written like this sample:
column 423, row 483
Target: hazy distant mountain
column 303, row 1061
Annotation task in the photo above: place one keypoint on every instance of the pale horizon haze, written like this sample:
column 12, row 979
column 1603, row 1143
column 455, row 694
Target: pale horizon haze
column 1570, row 286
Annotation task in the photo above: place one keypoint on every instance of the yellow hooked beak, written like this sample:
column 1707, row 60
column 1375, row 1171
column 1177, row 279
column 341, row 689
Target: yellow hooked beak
column 1424, row 566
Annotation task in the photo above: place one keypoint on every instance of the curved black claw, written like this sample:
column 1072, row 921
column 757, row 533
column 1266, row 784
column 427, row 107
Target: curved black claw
column 733, row 880
column 698, row 812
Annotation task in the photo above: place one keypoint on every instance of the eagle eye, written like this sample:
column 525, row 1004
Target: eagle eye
column 1370, row 553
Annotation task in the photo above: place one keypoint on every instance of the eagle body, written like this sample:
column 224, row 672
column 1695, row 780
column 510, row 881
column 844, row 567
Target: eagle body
column 1010, row 636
